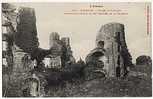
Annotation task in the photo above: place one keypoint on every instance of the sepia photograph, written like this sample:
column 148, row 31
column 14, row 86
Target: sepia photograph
column 83, row 49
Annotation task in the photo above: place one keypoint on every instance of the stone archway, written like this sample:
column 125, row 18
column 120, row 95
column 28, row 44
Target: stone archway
column 31, row 87
column 97, row 63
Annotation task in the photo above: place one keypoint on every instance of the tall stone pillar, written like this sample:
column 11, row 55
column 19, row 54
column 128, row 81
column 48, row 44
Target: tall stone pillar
column 113, row 36
column 19, row 39
column 111, row 51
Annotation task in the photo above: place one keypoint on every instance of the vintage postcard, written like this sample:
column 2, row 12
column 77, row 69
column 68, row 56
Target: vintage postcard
column 65, row 49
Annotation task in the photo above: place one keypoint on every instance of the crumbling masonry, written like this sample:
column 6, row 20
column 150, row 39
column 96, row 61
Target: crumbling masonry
column 111, row 55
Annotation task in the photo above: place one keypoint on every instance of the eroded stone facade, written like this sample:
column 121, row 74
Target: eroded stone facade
column 110, row 43
column 61, row 52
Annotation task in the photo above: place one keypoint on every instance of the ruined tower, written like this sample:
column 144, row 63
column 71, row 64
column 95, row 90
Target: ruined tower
column 61, row 52
column 19, row 41
column 54, row 37
column 111, row 50
column 54, row 60
column 69, row 59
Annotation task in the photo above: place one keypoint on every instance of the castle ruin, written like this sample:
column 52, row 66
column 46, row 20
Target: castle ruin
column 20, row 43
column 61, row 52
column 111, row 53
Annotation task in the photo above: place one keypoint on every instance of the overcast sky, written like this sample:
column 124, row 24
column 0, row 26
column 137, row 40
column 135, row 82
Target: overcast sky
column 82, row 29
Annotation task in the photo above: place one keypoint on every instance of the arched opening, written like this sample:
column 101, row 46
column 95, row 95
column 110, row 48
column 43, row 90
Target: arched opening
column 97, row 54
column 31, row 87
column 100, row 44
column 101, row 62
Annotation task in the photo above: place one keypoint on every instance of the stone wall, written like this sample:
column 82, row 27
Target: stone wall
column 111, row 38
column 17, row 56
column 108, row 34
column 26, row 34
column 60, row 48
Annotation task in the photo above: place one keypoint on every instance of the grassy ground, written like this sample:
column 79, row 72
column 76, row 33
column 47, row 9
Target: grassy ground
column 132, row 86
column 112, row 87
